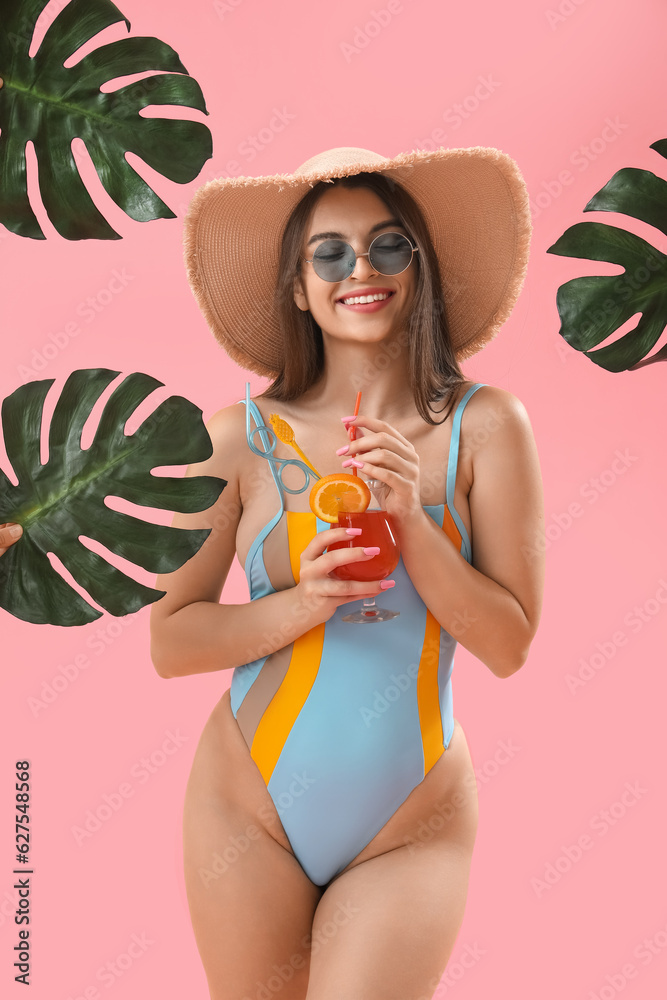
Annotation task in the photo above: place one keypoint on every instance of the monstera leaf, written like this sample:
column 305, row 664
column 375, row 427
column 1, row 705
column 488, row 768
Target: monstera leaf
column 44, row 102
column 592, row 308
column 63, row 499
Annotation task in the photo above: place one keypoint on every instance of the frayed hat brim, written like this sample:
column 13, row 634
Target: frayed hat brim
column 475, row 204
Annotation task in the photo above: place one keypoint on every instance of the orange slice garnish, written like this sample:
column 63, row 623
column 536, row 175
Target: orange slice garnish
column 331, row 494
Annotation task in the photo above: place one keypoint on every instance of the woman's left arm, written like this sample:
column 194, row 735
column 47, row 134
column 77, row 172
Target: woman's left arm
column 493, row 606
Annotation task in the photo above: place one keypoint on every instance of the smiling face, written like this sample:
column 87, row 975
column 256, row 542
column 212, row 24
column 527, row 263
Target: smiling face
column 356, row 215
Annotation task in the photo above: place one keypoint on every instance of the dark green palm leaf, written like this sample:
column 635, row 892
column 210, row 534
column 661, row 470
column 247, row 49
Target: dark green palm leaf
column 43, row 102
column 591, row 309
column 63, row 499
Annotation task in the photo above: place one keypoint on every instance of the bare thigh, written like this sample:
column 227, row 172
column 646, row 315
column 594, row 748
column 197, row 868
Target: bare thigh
column 386, row 926
column 387, row 923
column 251, row 903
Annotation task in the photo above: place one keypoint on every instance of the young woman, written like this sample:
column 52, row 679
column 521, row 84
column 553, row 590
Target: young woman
column 331, row 810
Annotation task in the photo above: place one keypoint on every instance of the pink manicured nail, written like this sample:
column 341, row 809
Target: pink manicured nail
column 352, row 461
column 341, row 451
column 386, row 584
column 372, row 550
column 353, row 531
column 347, row 420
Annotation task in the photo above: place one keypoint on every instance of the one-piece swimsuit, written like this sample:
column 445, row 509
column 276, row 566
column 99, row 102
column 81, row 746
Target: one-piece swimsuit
column 345, row 720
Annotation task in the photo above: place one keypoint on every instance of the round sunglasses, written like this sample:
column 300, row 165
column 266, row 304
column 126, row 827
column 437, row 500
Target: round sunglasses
column 389, row 253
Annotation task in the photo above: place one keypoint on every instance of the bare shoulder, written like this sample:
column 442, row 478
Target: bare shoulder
column 227, row 430
column 202, row 577
column 493, row 401
column 230, row 420
column 495, row 420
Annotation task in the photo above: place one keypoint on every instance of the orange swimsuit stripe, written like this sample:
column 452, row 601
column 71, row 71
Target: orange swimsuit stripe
column 300, row 530
column 428, row 694
column 275, row 725
column 428, row 691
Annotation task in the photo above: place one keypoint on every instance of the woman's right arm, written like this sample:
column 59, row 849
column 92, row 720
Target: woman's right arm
column 191, row 632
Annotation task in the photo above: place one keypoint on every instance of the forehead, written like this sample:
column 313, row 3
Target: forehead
column 347, row 209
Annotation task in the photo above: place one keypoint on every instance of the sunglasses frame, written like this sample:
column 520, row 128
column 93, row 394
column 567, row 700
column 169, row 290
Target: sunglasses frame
column 367, row 254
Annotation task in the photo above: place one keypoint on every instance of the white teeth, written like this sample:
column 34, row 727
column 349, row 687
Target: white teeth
column 360, row 299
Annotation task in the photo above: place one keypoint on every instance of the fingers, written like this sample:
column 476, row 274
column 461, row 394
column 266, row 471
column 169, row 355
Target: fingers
column 316, row 580
column 323, row 539
column 316, row 565
column 339, row 557
column 379, row 428
column 395, row 467
column 9, row 533
column 383, row 446
column 377, row 458
column 336, row 557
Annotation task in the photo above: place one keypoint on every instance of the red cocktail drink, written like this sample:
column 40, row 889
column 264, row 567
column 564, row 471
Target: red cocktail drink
column 376, row 528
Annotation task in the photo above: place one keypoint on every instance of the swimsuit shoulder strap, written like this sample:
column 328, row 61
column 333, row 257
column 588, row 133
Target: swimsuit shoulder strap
column 452, row 462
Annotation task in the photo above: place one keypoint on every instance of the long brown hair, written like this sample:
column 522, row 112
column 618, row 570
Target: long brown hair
column 433, row 371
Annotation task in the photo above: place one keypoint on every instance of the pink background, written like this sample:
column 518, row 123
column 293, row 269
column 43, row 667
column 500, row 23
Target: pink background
column 554, row 81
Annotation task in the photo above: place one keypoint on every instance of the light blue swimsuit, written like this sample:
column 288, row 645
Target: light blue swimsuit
column 359, row 715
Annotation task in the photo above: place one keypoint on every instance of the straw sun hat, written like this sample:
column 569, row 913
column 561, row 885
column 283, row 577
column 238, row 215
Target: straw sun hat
column 474, row 201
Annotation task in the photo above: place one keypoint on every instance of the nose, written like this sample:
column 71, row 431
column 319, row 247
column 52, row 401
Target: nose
column 362, row 266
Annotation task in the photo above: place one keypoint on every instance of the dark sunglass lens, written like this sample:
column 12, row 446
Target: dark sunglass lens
column 334, row 260
column 391, row 253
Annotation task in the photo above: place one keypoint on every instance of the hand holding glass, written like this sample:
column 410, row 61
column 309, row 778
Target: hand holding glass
column 377, row 530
